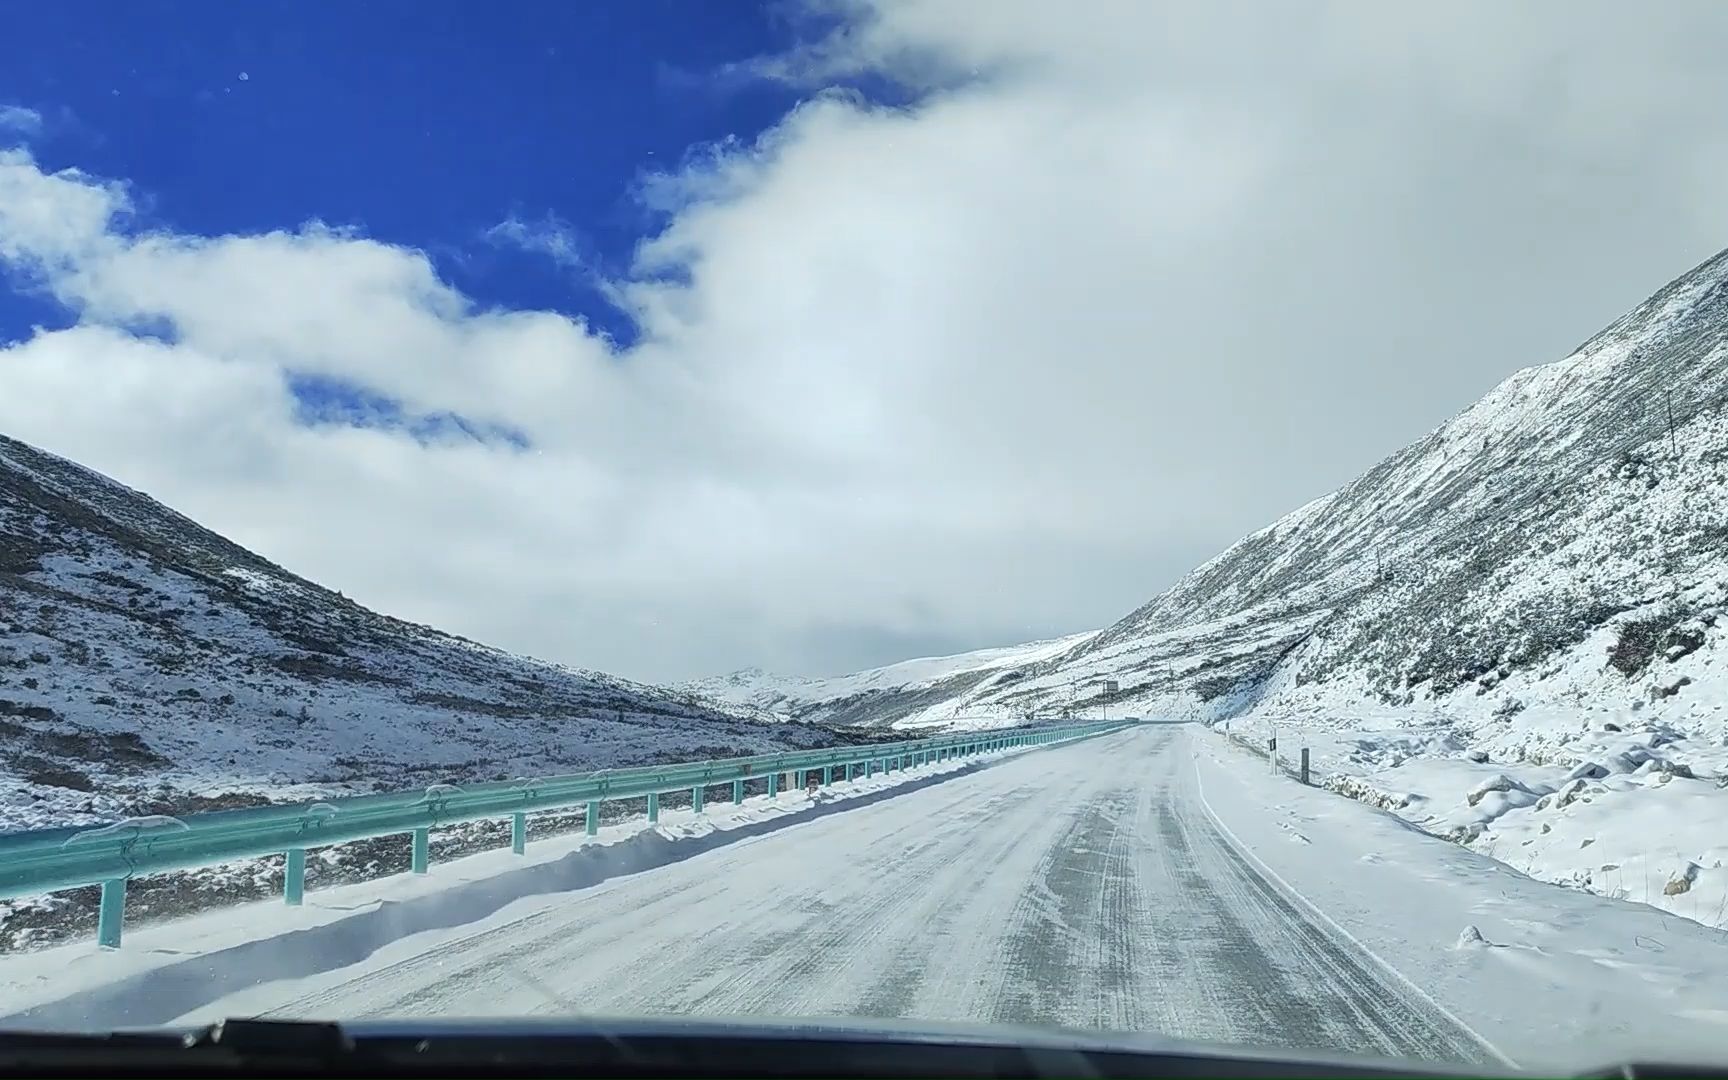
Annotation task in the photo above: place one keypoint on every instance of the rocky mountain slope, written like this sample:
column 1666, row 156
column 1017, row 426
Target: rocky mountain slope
column 1576, row 499
column 149, row 665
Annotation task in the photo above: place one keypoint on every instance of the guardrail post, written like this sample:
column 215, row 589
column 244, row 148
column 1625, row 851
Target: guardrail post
column 653, row 807
column 696, row 798
column 294, row 877
column 797, row 780
column 737, row 791
column 591, row 818
column 519, row 834
column 111, row 913
column 827, row 775
column 773, row 785
column 420, row 856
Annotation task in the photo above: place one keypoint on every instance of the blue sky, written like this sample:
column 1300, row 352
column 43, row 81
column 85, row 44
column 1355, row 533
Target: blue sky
column 421, row 124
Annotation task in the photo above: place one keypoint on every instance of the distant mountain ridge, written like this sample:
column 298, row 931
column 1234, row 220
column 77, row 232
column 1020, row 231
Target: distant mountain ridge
column 934, row 691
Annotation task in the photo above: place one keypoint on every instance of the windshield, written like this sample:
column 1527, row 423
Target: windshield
column 913, row 511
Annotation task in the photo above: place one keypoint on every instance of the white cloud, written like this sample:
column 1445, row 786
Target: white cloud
column 18, row 120
column 550, row 236
column 49, row 223
column 988, row 368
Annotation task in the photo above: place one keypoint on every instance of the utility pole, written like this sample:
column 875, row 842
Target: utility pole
column 1379, row 573
column 1673, row 446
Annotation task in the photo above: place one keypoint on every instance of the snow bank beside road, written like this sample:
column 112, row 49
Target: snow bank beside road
column 1614, row 803
column 1554, row 978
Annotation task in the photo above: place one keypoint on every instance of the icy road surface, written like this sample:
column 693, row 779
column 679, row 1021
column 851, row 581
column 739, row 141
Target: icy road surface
column 1083, row 885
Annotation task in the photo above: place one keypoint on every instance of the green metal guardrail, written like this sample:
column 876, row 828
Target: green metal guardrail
column 49, row 860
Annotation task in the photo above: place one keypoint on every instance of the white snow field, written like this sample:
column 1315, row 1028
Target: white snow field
column 1155, row 880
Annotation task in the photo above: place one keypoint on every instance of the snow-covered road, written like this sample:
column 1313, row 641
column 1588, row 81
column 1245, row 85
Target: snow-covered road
column 1084, row 885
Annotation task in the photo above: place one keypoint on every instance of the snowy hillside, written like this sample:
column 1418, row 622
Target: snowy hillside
column 149, row 665
column 937, row 691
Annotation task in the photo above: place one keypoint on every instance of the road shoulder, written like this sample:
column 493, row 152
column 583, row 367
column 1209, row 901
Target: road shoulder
column 1551, row 977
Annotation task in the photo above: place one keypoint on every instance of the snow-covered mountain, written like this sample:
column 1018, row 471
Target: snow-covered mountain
column 1577, row 506
column 959, row 691
column 149, row 665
